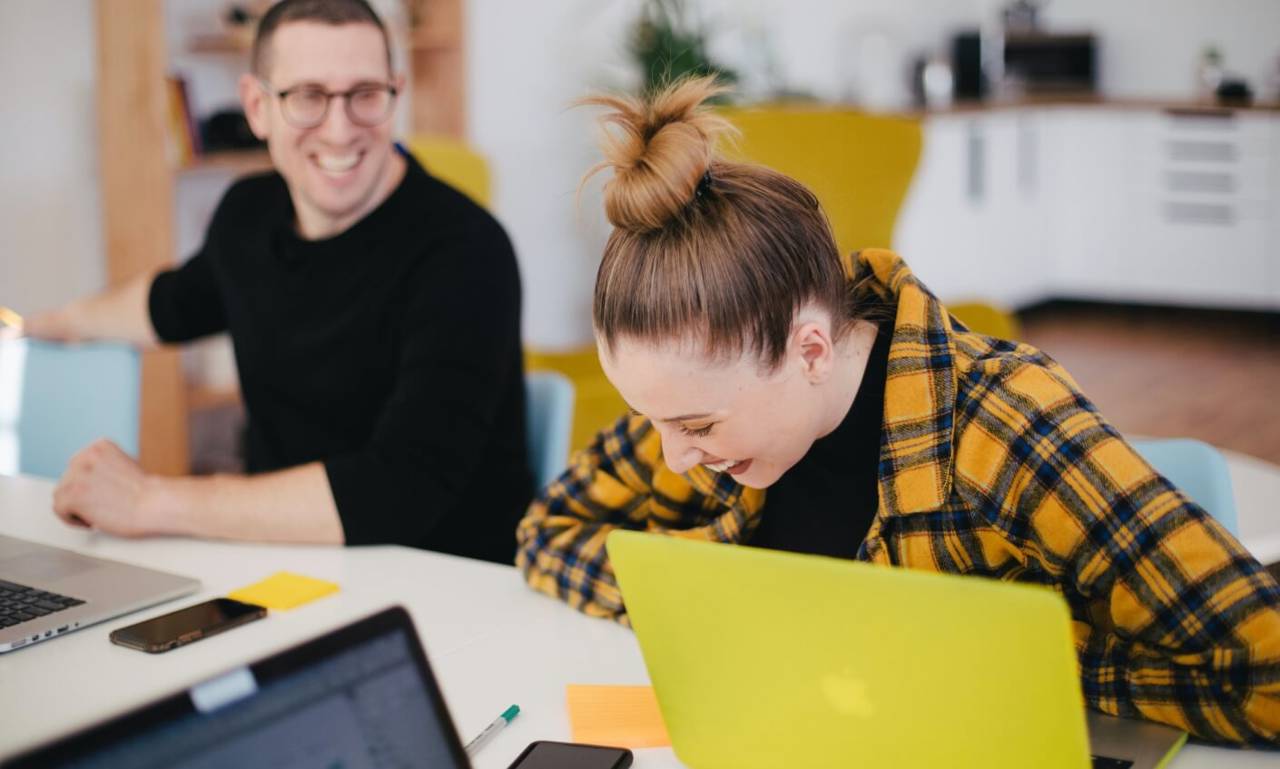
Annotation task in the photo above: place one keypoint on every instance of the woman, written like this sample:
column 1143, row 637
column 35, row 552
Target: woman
column 785, row 397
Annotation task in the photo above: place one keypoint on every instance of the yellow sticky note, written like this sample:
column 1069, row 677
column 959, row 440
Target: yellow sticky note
column 284, row 590
column 619, row 716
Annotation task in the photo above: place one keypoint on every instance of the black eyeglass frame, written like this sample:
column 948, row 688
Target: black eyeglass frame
column 329, row 96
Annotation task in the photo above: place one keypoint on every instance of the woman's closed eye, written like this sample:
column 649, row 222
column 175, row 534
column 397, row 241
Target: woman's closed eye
column 697, row 432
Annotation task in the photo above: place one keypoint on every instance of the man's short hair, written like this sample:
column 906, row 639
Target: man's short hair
column 324, row 11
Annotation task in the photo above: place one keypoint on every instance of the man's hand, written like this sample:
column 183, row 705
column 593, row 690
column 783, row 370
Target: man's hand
column 103, row 489
column 118, row 314
column 106, row 489
column 53, row 326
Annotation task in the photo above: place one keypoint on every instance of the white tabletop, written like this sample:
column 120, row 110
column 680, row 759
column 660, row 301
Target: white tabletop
column 1257, row 488
column 491, row 641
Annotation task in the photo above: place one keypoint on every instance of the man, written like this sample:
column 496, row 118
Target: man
column 375, row 317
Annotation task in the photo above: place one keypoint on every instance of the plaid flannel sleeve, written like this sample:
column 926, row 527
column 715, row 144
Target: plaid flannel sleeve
column 1175, row 621
column 560, row 541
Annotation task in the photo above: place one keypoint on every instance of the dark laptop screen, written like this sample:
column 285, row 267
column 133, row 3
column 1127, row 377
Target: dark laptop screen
column 367, row 704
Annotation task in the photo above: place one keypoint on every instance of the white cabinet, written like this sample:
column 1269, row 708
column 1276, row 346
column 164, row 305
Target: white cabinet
column 1273, row 236
column 1125, row 204
column 1089, row 157
column 1015, row 259
column 1202, row 200
column 938, row 229
column 971, row 226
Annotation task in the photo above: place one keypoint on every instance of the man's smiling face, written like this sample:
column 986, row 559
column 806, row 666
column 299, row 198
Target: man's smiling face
column 337, row 171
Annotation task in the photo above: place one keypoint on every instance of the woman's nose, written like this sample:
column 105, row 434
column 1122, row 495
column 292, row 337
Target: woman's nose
column 679, row 452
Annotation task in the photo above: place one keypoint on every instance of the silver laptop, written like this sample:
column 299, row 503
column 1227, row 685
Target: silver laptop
column 47, row 591
column 1122, row 743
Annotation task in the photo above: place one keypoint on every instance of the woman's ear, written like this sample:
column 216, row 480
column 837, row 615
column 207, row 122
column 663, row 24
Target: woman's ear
column 812, row 346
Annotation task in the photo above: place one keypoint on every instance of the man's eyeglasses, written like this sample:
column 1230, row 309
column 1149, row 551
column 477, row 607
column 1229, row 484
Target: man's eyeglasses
column 305, row 106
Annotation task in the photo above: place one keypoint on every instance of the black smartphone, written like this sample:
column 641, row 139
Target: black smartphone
column 544, row 754
column 181, row 627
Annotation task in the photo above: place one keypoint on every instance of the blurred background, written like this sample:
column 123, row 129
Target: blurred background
column 1100, row 179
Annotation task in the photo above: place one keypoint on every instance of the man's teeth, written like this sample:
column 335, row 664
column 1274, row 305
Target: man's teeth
column 720, row 467
column 337, row 163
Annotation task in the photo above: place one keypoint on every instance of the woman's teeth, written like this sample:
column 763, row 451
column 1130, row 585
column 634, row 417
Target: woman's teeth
column 721, row 467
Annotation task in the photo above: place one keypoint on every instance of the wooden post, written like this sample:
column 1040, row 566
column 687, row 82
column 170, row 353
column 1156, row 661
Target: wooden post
column 437, row 63
column 137, row 199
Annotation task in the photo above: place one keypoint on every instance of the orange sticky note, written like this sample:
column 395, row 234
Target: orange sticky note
column 619, row 716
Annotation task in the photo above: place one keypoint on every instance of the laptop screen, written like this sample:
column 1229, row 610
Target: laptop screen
column 349, row 699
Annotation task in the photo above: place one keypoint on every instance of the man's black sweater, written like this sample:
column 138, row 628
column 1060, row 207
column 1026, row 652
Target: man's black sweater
column 390, row 352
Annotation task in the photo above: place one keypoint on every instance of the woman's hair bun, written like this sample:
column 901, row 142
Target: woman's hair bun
column 659, row 148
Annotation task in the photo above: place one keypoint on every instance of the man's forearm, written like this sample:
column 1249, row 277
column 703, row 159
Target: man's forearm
column 294, row 505
column 118, row 314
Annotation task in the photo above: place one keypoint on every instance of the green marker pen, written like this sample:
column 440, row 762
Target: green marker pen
column 492, row 729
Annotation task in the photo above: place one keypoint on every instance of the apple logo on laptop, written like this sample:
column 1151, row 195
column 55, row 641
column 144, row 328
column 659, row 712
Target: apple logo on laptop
column 847, row 693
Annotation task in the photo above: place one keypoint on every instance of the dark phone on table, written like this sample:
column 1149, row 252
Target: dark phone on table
column 169, row 631
column 545, row 754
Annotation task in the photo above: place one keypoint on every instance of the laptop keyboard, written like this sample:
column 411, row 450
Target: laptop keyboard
column 20, row 603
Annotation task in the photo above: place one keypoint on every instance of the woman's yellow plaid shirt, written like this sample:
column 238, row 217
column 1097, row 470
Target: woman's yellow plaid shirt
column 992, row 463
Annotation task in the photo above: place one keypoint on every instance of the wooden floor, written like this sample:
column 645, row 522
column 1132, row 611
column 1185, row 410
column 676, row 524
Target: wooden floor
column 1171, row 372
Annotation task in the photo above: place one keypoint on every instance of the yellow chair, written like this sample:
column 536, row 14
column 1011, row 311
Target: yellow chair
column 987, row 319
column 858, row 165
column 453, row 162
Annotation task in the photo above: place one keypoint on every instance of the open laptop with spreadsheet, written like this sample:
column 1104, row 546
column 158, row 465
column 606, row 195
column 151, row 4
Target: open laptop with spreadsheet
column 762, row 659
column 47, row 591
column 359, row 696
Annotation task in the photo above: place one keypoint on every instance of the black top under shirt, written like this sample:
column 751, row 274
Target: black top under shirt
column 391, row 352
column 825, row 503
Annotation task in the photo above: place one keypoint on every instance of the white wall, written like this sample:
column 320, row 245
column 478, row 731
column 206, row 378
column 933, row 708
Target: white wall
column 1149, row 48
column 50, row 210
column 526, row 62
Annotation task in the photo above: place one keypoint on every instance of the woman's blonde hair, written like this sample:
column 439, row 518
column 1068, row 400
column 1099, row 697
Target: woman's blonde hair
column 702, row 245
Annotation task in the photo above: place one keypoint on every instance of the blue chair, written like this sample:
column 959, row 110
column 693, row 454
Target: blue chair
column 1199, row 470
column 56, row 399
column 549, row 411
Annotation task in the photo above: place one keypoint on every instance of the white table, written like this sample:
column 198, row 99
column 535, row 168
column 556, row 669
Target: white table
column 1257, row 489
column 491, row 641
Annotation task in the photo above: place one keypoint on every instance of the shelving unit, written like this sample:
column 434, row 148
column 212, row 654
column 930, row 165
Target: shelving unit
column 137, row 202
column 437, row 66
column 138, row 179
column 238, row 161
column 201, row 397
column 218, row 43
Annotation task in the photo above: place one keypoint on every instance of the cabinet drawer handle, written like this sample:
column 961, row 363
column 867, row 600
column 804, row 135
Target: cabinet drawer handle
column 1202, row 151
column 1218, row 121
column 977, row 157
column 1200, row 182
column 1199, row 213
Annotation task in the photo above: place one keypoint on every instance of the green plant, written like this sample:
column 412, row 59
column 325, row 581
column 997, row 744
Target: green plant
column 668, row 45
